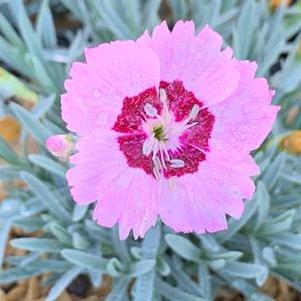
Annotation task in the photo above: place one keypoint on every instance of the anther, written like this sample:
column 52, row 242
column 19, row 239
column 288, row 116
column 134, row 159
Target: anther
column 194, row 112
column 147, row 147
column 150, row 110
column 177, row 163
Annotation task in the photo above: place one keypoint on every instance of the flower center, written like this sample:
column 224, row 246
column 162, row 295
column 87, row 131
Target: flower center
column 164, row 134
column 159, row 133
column 167, row 134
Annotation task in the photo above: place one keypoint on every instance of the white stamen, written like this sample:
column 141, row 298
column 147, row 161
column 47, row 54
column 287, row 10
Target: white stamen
column 166, row 153
column 162, row 157
column 187, row 126
column 158, row 147
column 192, row 115
column 155, row 148
column 177, row 163
column 163, row 96
column 157, row 163
column 163, row 99
column 146, row 150
column 150, row 110
column 157, row 174
column 147, row 147
column 171, row 183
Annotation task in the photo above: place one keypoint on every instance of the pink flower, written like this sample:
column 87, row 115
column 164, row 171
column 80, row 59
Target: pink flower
column 166, row 125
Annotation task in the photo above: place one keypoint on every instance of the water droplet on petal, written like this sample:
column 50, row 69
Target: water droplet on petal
column 150, row 110
column 96, row 93
column 103, row 118
column 177, row 163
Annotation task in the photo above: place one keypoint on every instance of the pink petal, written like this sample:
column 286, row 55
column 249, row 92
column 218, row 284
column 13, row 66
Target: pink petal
column 234, row 182
column 198, row 202
column 97, row 88
column 187, row 205
column 135, row 206
column 97, row 163
column 246, row 117
column 210, row 74
column 227, row 156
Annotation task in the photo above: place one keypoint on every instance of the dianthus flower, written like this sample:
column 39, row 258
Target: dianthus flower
column 165, row 126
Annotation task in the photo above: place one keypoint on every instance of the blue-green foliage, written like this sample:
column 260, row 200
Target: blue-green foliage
column 165, row 266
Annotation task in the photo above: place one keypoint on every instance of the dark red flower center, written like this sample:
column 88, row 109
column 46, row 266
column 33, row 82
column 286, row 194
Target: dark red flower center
column 165, row 135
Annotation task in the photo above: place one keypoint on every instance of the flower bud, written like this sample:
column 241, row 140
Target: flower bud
column 274, row 4
column 61, row 146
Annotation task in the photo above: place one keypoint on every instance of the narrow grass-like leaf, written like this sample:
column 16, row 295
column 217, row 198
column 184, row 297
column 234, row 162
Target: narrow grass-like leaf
column 41, row 74
column 60, row 232
column 29, row 270
column 48, row 164
column 10, row 33
column 38, row 244
column 281, row 223
column 7, row 153
column 32, row 125
column 180, row 9
column 145, row 284
column 150, row 13
column 244, row 270
column 111, row 18
column 185, row 282
column 51, row 265
column 30, row 224
column 288, row 239
column 119, row 290
column 97, row 233
column 249, row 290
column 244, row 30
column 271, row 176
column 115, row 268
column 132, row 11
column 120, row 246
column 79, row 212
column 51, row 202
column 14, row 58
column 140, row 268
column 79, row 241
column 183, row 247
column 173, row 293
column 204, row 281
column 235, row 226
column 45, row 26
column 15, row 274
column 25, row 27
column 263, row 199
column 4, row 232
column 86, row 260
column 43, row 106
